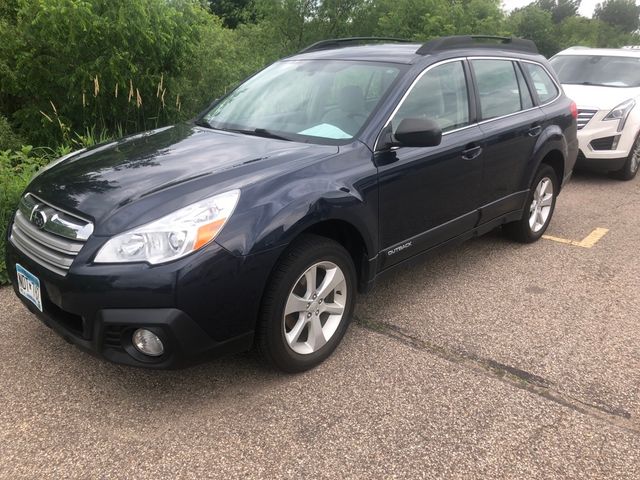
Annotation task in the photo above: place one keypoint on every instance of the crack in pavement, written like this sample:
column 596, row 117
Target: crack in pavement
column 511, row 375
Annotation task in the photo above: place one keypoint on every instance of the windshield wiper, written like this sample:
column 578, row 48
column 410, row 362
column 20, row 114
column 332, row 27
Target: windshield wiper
column 259, row 132
column 270, row 134
column 590, row 84
column 203, row 123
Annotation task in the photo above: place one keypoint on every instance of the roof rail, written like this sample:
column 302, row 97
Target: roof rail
column 345, row 42
column 477, row 41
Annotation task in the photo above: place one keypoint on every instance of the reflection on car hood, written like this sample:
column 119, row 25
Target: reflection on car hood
column 599, row 98
column 97, row 182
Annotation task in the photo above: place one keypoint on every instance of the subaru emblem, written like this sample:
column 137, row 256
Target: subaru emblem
column 38, row 218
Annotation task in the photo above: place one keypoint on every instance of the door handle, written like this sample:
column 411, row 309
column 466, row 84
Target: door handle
column 471, row 152
column 535, row 131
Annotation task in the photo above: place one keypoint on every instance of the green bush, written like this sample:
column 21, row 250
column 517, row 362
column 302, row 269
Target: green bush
column 8, row 139
column 116, row 66
column 16, row 170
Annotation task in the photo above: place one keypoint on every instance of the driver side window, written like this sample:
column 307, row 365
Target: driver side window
column 440, row 95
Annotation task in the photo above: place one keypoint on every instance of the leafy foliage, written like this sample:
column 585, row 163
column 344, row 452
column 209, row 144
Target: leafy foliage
column 16, row 169
column 8, row 138
column 233, row 12
column 623, row 14
column 113, row 64
column 536, row 24
column 559, row 9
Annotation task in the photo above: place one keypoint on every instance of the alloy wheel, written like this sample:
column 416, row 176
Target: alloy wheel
column 315, row 307
column 541, row 204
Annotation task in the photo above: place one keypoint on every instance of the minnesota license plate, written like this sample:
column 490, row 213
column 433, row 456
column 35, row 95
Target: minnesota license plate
column 29, row 286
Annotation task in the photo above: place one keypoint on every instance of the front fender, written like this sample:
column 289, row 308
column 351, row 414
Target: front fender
column 274, row 213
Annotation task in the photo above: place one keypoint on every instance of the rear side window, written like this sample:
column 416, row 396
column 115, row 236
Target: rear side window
column 498, row 87
column 525, row 94
column 440, row 95
column 542, row 82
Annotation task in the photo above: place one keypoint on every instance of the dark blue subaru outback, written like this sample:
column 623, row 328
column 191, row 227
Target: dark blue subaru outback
column 260, row 221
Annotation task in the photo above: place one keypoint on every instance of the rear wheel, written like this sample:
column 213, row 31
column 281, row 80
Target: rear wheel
column 308, row 304
column 630, row 168
column 539, row 208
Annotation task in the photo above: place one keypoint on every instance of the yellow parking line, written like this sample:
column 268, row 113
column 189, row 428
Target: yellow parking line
column 587, row 242
column 591, row 239
column 561, row 240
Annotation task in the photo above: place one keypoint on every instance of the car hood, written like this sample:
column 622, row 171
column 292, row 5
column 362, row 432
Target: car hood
column 600, row 98
column 166, row 165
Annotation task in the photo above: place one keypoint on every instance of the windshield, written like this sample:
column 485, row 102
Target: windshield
column 597, row 70
column 306, row 100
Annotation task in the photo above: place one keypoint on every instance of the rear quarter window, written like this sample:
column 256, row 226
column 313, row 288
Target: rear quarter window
column 544, row 86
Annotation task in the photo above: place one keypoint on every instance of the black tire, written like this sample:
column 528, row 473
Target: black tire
column 630, row 168
column 304, row 253
column 521, row 230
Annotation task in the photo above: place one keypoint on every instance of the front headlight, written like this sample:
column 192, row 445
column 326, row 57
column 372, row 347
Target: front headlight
column 621, row 112
column 174, row 235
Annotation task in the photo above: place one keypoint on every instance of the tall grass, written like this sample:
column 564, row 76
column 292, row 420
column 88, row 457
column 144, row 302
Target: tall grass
column 98, row 106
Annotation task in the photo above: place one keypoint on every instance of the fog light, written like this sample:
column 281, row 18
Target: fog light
column 147, row 342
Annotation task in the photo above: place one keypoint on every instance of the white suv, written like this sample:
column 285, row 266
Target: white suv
column 605, row 84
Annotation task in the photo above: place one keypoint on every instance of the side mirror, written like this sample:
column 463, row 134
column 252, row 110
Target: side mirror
column 418, row 132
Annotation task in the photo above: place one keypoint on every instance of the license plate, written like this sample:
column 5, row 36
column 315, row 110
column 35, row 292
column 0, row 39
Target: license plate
column 29, row 286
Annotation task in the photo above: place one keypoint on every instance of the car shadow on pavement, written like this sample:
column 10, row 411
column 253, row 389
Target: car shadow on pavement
column 588, row 177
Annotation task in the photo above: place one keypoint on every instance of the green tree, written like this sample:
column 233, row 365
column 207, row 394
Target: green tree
column 536, row 24
column 233, row 12
column 335, row 17
column 560, row 9
column 424, row 19
column 589, row 32
column 623, row 14
column 290, row 24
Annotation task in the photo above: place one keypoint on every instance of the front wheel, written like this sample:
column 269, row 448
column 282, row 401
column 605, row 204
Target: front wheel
column 539, row 208
column 630, row 168
column 307, row 305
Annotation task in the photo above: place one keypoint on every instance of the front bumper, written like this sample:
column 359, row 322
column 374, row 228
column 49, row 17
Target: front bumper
column 203, row 305
column 602, row 146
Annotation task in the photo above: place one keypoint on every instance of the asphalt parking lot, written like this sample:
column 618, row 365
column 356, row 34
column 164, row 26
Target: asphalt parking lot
column 490, row 360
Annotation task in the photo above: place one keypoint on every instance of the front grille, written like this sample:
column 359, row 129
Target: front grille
column 584, row 116
column 47, row 235
column 605, row 143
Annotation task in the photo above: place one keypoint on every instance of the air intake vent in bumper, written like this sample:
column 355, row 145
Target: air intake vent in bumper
column 605, row 143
